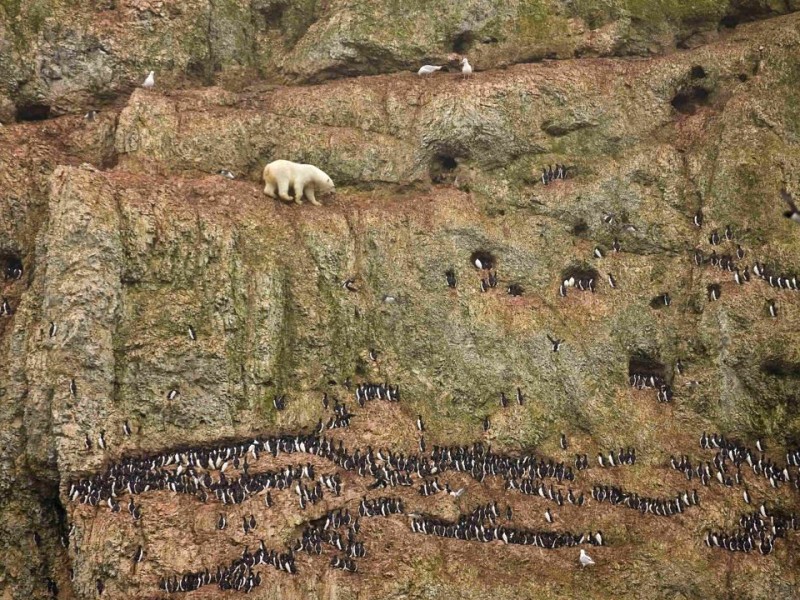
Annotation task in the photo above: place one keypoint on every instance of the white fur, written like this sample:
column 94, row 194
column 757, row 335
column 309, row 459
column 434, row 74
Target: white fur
column 280, row 175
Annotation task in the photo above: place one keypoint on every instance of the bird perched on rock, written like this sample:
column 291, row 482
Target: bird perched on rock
column 428, row 69
column 792, row 213
column 149, row 81
column 466, row 68
column 585, row 559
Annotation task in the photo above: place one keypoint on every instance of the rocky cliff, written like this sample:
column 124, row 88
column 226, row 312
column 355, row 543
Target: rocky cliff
column 155, row 307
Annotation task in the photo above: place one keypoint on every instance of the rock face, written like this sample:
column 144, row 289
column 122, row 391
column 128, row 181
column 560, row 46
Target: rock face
column 127, row 238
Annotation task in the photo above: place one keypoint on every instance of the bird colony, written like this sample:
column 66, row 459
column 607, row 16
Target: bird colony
column 338, row 487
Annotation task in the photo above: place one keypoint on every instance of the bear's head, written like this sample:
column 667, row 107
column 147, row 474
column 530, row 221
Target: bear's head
column 327, row 186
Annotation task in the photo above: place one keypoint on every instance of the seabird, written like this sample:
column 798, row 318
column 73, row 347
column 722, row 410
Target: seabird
column 679, row 366
column 555, row 343
column 420, row 424
column 737, row 277
column 348, row 284
column 520, row 398
column 598, row 253
column 611, row 281
column 373, row 354
column 503, row 400
column 486, row 423
column 466, row 68
column 73, row 387
column 548, row 516
column 666, row 299
column 739, row 252
column 138, row 556
column 714, row 238
column 585, row 559
column 221, row 522
column 454, row 493
column 616, row 245
column 514, row 290
column 451, row 278
column 792, row 213
column 773, row 310
column 90, row 115
column 562, row 290
column 746, row 496
column 226, row 174
column 192, row 334
column 714, row 292
column 101, row 439
column 150, row 81
column 563, row 442
column 172, row 394
column 428, row 69
column 760, row 445
column 728, row 233
column 698, row 218
column 484, row 285
column 53, row 329
column 126, row 428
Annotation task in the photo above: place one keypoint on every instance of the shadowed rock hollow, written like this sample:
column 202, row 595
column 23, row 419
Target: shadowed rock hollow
column 117, row 236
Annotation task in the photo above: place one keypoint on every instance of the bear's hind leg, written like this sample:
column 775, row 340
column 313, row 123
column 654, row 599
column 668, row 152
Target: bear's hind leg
column 283, row 190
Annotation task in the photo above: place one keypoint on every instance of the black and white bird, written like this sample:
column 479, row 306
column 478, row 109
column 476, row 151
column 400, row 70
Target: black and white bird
column 773, row 309
column 450, row 275
column 616, row 245
column 222, row 522
column 349, row 285
column 555, row 343
column 373, row 354
column 90, row 115
column 192, row 333
column 611, row 281
column 53, row 329
column 126, row 428
column 698, row 218
column 728, row 233
column 714, row 238
column 138, row 556
column 760, row 445
column 792, row 213
column 101, row 439
column 87, row 443
column 172, row 394
column 420, row 424
column 226, row 174
column 548, row 516
column 598, row 253
column 520, row 398
column 486, row 424
column 563, row 442
column 73, row 387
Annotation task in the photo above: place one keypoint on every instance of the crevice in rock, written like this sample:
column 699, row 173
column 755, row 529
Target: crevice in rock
column 463, row 42
column 642, row 363
column 580, row 228
column 33, row 112
column 11, row 265
column 486, row 258
column 688, row 100
column 441, row 167
column 780, row 367
column 698, row 72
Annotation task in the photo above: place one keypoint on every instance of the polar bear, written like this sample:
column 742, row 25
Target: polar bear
column 303, row 179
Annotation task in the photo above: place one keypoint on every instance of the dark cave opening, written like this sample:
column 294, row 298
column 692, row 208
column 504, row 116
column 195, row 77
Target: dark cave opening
column 33, row 112
column 687, row 101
